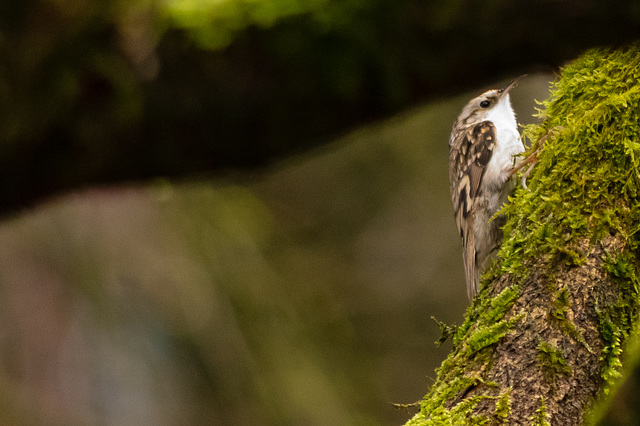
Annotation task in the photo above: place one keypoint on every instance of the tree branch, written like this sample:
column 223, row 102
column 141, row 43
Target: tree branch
column 545, row 338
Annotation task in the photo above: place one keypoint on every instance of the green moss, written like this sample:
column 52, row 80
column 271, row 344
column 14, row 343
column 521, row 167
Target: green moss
column 500, row 305
column 584, row 187
column 618, row 321
column 486, row 323
column 597, row 414
column 486, row 312
column 561, row 305
column 446, row 331
column 541, row 417
column 552, row 361
column 590, row 161
column 491, row 334
column 559, row 314
column 460, row 414
column 503, row 407
column 611, row 361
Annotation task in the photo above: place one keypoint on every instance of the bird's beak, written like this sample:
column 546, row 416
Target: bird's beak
column 511, row 85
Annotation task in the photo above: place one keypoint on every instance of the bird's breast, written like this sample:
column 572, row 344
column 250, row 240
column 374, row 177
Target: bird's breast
column 496, row 175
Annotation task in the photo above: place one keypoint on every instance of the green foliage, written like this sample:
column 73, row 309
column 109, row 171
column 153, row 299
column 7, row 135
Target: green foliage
column 503, row 407
column 559, row 314
column 586, row 182
column 611, row 355
column 460, row 414
column 485, row 324
column 446, row 331
column 541, row 417
column 584, row 187
column 500, row 305
column 214, row 24
column 97, row 91
column 618, row 323
column 552, row 361
column 484, row 313
column 490, row 335
column 561, row 305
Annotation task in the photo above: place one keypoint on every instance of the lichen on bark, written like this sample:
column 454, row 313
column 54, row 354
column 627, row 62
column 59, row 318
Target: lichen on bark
column 546, row 337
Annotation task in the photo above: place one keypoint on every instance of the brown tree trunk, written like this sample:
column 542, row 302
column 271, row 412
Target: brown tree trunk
column 553, row 356
column 544, row 340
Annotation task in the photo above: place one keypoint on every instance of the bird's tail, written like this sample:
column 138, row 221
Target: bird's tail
column 471, row 270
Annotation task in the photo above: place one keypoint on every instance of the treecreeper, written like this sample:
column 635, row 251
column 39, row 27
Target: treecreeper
column 483, row 147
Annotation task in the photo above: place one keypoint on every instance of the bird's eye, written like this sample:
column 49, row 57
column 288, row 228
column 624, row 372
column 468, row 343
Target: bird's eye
column 485, row 104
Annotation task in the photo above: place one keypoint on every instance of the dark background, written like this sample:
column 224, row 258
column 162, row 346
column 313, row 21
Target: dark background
column 126, row 90
column 238, row 212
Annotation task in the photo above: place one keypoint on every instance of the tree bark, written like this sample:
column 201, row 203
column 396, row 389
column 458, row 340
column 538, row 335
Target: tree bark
column 546, row 337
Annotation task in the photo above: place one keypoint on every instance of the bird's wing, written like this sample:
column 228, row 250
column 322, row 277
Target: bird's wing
column 474, row 154
column 483, row 140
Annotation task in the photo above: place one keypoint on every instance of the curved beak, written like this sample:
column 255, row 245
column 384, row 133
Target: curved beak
column 511, row 85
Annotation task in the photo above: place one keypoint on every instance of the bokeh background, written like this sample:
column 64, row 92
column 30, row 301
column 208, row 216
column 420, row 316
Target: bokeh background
column 236, row 212
column 298, row 295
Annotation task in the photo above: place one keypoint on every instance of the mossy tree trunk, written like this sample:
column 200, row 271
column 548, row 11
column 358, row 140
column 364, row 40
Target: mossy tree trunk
column 546, row 337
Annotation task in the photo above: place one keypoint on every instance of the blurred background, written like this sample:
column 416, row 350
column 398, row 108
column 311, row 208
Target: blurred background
column 236, row 212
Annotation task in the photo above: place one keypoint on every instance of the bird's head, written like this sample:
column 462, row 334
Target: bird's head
column 490, row 104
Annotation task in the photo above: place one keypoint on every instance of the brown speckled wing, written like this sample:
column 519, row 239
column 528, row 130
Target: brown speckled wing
column 473, row 155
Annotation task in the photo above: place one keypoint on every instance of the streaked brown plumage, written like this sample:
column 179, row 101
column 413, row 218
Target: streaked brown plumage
column 482, row 149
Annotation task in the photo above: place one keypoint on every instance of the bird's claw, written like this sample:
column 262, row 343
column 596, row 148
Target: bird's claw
column 532, row 159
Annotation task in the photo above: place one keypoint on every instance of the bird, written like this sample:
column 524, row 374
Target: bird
column 483, row 147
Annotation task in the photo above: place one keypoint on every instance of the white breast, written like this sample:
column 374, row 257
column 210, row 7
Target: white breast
column 508, row 145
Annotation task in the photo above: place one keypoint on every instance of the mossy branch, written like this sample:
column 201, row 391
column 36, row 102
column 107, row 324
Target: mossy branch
column 546, row 337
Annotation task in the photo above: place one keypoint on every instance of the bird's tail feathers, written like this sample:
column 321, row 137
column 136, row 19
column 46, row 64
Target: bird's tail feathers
column 471, row 272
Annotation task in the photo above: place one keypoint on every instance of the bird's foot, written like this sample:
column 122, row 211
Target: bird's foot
column 532, row 159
